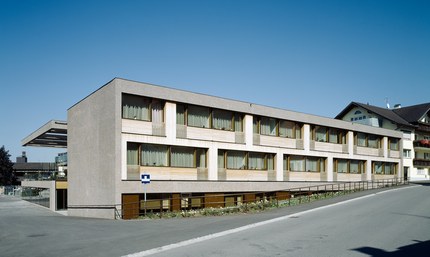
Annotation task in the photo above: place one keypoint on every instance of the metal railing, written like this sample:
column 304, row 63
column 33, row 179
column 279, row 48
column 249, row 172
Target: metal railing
column 278, row 198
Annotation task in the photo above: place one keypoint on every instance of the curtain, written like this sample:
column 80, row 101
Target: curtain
column 388, row 169
column 182, row 157
column 342, row 166
column 354, row 166
column 361, row 139
column 180, row 114
column 394, row 144
column 298, row 131
column 268, row 126
column 201, row 158
column 321, row 134
column 333, row 136
column 297, row 163
column 132, row 154
column 157, row 112
column 311, row 164
column 378, row 168
column 255, row 125
column 270, row 162
column 222, row 120
column 198, row 116
column 236, row 160
column 373, row 141
column 238, row 123
column 256, row 161
column 154, row 155
column 286, row 129
column 221, row 163
column 135, row 107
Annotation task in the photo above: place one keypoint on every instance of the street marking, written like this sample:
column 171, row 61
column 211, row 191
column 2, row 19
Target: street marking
column 246, row 227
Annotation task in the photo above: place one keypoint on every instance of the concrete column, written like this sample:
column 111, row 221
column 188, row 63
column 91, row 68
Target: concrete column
column 213, row 163
column 306, row 137
column 350, row 142
column 170, row 121
column 329, row 168
column 279, row 166
column 385, row 146
column 248, row 130
column 369, row 170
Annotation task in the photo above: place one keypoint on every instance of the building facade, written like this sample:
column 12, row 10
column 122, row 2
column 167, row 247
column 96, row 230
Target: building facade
column 412, row 121
column 195, row 144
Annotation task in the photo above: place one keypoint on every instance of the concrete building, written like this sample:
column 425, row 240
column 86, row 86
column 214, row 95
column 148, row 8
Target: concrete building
column 199, row 145
column 412, row 121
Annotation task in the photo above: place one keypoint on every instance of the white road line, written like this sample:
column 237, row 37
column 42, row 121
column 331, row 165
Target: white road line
column 246, row 227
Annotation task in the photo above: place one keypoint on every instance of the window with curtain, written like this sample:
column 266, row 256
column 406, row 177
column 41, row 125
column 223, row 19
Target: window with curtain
column 222, row 119
column 333, row 136
column 135, row 107
column 298, row 128
column 201, row 158
column 221, row 159
column 180, row 114
column 286, row 129
column 132, row 154
column 256, row 161
column 270, row 161
column 312, row 164
column 373, row 141
column 394, row 144
column 297, row 163
column 354, row 166
column 236, row 160
column 238, row 122
column 154, row 155
column 361, row 139
column 320, row 134
column 268, row 126
column 255, row 125
column 182, row 157
column 285, row 162
column 388, row 169
column 322, row 164
column 377, row 167
column 157, row 111
column 341, row 166
column 198, row 116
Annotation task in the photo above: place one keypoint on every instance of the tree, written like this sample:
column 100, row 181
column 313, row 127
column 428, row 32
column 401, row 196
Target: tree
column 6, row 168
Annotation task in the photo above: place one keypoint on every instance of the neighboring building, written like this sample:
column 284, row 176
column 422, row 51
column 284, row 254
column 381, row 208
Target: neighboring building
column 413, row 121
column 198, row 145
column 25, row 170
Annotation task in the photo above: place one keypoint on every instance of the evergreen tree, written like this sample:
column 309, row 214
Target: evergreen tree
column 6, row 168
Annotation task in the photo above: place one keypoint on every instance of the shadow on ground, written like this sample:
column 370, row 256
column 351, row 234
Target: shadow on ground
column 419, row 248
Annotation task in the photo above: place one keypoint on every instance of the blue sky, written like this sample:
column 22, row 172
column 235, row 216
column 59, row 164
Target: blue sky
column 308, row 56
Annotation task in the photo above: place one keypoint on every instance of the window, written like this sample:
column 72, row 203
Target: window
column 182, row 157
column 384, row 168
column 180, row 114
column 238, row 122
column 367, row 140
column 373, row 141
column 154, row 155
column 394, row 144
column 222, row 119
column 320, row 134
column 238, row 160
column 361, row 139
column 406, row 153
column 349, row 166
column 300, row 163
column 198, row 116
column 268, row 126
column 132, row 154
column 135, row 107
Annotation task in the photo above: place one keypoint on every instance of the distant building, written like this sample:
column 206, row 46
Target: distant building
column 25, row 170
column 412, row 121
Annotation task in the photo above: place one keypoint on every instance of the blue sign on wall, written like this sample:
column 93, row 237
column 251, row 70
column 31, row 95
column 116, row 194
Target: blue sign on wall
column 145, row 178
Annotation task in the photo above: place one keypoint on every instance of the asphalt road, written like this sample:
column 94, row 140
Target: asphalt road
column 373, row 223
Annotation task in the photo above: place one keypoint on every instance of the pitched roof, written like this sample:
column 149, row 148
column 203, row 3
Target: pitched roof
column 414, row 113
column 383, row 112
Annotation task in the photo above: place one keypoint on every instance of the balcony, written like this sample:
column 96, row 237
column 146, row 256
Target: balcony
column 422, row 144
column 421, row 163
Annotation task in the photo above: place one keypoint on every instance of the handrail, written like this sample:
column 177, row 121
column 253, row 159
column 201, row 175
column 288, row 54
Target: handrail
column 278, row 198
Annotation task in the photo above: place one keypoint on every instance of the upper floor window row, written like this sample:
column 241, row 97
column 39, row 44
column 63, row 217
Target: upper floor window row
column 205, row 117
column 142, row 108
column 274, row 127
column 393, row 143
column 367, row 140
column 300, row 163
column 328, row 135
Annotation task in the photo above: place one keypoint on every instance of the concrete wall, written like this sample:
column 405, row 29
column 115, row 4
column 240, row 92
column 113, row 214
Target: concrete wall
column 92, row 153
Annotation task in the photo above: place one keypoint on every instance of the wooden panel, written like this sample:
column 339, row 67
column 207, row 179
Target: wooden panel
column 176, row 202
column 282, row 195
column 130, row 206
column 214, row 200
column 248, row 198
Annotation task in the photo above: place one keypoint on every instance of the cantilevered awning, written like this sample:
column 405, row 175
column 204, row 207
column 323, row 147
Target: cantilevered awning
column 52, row 134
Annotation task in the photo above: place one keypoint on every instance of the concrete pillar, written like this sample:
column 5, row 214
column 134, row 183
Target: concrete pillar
column 279, row 166
column 350, row 142
column 248, row 130
column 170, row 121
column 213, row 163
column 329, row 168
column 306, row 137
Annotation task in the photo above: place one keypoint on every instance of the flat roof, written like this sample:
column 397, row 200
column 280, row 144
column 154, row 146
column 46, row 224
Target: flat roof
column 52, row 134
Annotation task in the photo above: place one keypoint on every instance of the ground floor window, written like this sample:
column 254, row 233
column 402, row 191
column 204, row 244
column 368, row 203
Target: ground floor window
column 349, row 166
column 302, row 163
column 384, row 168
